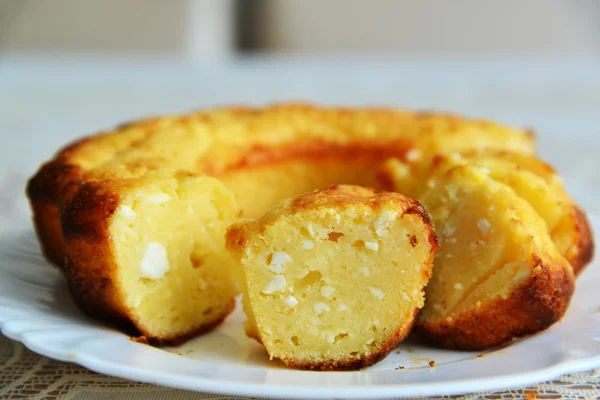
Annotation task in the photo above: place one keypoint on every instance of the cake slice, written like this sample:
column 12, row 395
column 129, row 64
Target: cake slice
column 334, row 279
column 538, row 184
column 150, row 252
column 530, row 178
column 499, row 275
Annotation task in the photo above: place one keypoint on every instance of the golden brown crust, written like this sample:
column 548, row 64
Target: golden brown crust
column 89, row 262
column 338, row 196
column 236, row 239
column 583, row 251
column 44, row 191
column 537, row 304
column 333, row 196
column 353, row 363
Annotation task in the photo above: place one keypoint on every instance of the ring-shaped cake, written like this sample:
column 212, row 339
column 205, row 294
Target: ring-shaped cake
column 136, row 217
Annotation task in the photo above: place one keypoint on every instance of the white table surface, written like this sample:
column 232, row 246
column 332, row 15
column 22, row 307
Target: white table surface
column 44, row 103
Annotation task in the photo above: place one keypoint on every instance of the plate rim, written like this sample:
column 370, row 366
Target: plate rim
column 472, row 385
column 10, row 328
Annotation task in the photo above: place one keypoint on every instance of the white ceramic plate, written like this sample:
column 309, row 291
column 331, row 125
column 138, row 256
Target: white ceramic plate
column 36, row 310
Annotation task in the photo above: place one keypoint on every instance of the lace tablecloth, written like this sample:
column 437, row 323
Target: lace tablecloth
column 24, row 374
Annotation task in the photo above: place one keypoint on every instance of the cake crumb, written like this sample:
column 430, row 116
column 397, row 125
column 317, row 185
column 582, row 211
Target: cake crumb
column 400, row 367
column 140, row 339
column 432, row 364
column 413, row 240
column 531, row 395
column 334, row 236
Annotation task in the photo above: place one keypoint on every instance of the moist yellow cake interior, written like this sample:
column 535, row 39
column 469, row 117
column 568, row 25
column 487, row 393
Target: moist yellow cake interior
column 541, row 188
column 489, row 237
column 325, row 284
column 169, row 234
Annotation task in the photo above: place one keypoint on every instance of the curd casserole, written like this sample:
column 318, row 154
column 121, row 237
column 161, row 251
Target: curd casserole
column 136, row 219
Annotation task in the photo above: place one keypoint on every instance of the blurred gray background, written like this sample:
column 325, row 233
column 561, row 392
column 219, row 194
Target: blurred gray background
column 74, row 67
column 209, row 29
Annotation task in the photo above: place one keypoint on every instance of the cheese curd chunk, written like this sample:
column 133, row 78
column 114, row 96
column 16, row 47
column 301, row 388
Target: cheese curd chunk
column 347, row 299
column 155, row 259
column 499, row 275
